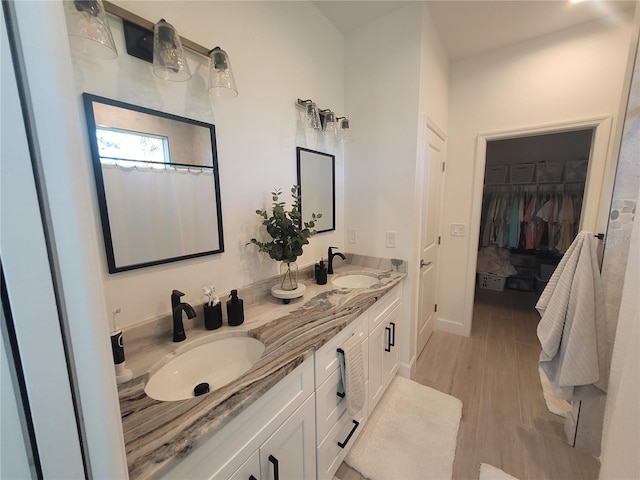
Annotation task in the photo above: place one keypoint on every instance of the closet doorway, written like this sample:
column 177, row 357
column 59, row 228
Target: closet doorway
column 531, row 208
column 598, row 184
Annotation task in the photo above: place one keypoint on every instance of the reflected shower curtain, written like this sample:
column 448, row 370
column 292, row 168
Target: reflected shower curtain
column 160, row 213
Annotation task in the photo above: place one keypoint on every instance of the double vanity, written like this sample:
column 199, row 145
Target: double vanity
column 276, row 406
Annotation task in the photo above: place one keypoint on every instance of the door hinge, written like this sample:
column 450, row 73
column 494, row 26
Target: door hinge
column 443, row 166
column 435, row 307
column 439, row 239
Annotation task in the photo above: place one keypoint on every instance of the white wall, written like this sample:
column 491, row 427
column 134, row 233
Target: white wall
column 567, row 76
column 396, row 74
column 279, row 51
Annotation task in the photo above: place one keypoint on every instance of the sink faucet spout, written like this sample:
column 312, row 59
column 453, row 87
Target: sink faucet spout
column 177, row 307
column 330, row 255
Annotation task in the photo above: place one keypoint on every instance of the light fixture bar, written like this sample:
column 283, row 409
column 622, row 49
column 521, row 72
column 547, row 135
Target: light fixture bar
column 144, row 23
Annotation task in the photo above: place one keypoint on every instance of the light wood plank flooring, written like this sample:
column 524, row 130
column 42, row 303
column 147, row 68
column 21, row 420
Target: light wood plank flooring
column 494, row 373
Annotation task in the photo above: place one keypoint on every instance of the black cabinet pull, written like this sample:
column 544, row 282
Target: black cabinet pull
column 393, row 334
column 340, row 394
column 252, row 478
column 355, row 426
column 276, row 473
column 388, row 347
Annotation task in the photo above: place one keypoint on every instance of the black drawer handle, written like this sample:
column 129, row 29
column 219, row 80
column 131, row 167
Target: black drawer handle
column 276, row 472
column 355, row 426
column 340, row 394
column 393, row 334
column 388, row 347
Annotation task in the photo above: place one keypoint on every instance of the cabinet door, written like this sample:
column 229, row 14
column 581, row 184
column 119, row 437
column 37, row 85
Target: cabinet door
column 378, row 344
column 290, row 453
column 390, row 359
column 250, row 470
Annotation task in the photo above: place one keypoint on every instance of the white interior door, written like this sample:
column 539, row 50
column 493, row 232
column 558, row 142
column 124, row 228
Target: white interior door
column 432, row 183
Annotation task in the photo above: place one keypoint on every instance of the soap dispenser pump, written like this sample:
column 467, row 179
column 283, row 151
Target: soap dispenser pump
column 235, row 309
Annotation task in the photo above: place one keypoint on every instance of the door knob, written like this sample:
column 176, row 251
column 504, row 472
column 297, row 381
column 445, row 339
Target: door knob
column 422, row 264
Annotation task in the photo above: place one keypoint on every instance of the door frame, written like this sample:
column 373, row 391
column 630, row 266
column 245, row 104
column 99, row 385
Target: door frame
column 598, row 186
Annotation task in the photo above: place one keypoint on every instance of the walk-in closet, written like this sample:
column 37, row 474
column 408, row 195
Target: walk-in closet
column 532, row 204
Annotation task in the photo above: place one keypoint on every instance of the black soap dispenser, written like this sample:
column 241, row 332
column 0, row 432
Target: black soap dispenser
column 235, row 309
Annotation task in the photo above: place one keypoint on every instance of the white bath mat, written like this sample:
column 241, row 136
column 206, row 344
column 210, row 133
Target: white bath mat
column 555, row 405
column 489, row 472
column 410, row 435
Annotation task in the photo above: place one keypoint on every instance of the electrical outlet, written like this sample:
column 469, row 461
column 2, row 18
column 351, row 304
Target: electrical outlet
column 390, row 238
column 352, row 235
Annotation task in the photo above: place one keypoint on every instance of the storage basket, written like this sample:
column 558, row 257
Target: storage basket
column 489, row 281
column 522, row 173
column 496, row 175
column 549, row 172
column 576, row 170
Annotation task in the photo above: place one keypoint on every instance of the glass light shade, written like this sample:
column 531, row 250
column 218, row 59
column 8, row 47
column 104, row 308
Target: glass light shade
column 221, row 81
column 313, row 116
column 89, row 30
column 344, row 127
column 330, row 123
column 169, row 61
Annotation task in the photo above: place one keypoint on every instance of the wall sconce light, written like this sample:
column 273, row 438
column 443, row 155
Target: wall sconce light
column 169, row 62
column 89, row 30
column 159, row 44
column 324, row 120
column 312, row 118
column 329, row 122
column 221, row 80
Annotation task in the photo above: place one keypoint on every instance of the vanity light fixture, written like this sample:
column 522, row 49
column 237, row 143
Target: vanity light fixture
column 324, row 120
column 329, row 122
column 159, row 43
column 312, row 118
column 89, row 30
column 169, row 62
column 221, row 80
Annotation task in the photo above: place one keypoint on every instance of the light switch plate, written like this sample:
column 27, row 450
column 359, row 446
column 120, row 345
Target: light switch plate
column 352, row 235
column 458, row 229
column 390, row 238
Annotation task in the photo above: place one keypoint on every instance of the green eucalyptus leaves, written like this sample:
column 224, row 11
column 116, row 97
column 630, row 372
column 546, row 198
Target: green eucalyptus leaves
column 286, row 228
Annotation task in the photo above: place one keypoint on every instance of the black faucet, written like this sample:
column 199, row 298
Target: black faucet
column 330, row 256
column 177, row 307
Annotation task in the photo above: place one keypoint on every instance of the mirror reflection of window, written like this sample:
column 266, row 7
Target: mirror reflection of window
column 128, row 149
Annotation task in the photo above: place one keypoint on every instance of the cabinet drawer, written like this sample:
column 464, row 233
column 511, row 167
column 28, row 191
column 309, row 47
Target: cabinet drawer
column 326, row 357
column 382, row 307
column 330, row 454
column 329, row 406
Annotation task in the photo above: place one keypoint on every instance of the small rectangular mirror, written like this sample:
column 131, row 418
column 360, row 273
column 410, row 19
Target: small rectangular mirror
column 316, row 177
column 157, row 184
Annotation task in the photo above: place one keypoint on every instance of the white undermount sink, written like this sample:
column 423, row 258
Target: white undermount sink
column 217, row 363
column 355, row 280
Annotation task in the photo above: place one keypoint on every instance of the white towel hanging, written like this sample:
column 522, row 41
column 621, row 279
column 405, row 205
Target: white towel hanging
column 352, row 373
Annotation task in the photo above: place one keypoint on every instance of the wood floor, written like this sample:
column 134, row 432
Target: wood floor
column 494, row 373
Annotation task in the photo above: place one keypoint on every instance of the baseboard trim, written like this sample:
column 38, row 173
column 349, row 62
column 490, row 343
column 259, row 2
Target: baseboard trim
column 407, row 369
column 449, row 326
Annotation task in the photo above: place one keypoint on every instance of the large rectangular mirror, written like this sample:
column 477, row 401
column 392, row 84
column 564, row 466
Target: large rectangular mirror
column 157, row 184
column 316, row 177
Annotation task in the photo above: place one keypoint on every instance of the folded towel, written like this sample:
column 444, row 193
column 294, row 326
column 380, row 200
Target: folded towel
column 572, row 329
column 352, row 372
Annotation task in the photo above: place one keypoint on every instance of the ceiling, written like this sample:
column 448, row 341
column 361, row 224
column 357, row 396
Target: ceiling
column 470, row 27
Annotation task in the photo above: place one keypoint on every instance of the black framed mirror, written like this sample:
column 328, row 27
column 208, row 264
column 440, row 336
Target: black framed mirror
column 157, row 184
column 316, row 177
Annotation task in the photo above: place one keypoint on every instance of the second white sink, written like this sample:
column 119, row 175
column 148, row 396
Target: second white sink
column 217, row 363
column 355, row 280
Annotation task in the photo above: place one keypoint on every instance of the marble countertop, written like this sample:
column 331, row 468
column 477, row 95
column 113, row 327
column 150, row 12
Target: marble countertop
column 157, row 433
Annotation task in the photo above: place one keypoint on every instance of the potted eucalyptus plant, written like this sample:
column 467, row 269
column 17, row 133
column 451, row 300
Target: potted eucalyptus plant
column 288, row 235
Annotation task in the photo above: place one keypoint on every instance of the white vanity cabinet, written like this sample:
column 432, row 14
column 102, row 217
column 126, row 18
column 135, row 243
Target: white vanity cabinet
column 281, row 424
column 300, row 429
column 336, row 429
column 384, row 322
